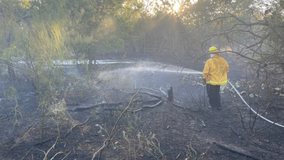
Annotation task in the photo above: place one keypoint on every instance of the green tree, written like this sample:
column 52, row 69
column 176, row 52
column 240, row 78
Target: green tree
column 94, row 27
column 12, row 14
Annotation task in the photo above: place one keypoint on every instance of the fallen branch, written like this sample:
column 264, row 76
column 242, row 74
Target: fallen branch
column 150, row 89
column 143, row 92
column 235, row 151
column 164, row 93
column 108, row 104
column 106, row 142
column 76, row 126
column 151, row 94
column 112, row 104
column 150, row 101
column 101, row 104
column 152, row 106
column 149, row 106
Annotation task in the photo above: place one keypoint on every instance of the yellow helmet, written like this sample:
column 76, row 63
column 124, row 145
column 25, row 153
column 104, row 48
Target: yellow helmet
column 213, row 50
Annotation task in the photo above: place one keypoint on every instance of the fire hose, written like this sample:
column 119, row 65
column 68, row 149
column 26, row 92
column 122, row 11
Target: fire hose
column 254, row 110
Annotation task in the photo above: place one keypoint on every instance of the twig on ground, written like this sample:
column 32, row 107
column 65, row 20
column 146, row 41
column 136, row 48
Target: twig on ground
column 137, row 110
column 234, row 130
column 3, row 117
column 235, row 151
column 56, row 155
column 193, row 150
column 52, row 147
column 76, row 126
column 106, row 142
column 66, row 156
column 202, row 154
column 178, row 155
column 203, row 123
column 26, row 155
column 49, row 139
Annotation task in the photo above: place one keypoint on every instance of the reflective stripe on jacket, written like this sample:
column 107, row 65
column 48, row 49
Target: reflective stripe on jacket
column 215, row 70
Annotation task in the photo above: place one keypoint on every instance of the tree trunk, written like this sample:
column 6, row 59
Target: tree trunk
column 91, row 58
column 11, row 71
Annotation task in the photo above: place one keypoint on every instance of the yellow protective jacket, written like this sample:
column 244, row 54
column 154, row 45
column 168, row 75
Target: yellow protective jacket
column 215, row 70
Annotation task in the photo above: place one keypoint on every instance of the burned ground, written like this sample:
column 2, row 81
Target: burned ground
column 152, row 128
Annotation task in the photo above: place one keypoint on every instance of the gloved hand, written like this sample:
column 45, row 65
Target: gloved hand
column 204, row 81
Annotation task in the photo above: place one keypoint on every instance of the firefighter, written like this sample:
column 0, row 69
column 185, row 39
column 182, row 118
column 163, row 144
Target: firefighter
column 214, row 75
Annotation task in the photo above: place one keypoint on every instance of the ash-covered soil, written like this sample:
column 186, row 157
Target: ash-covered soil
column 153, row 127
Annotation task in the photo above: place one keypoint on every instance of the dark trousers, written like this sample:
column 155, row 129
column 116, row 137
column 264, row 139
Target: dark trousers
column 214, row 95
